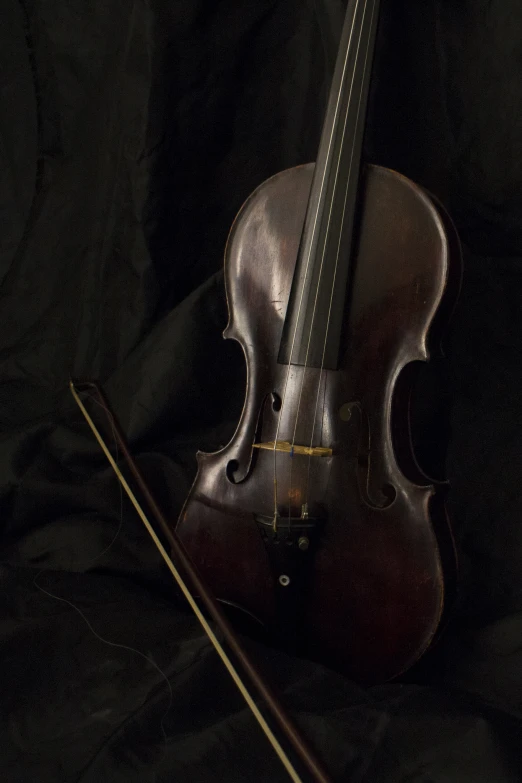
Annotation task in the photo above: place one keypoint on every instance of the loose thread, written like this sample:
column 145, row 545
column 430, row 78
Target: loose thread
column 93, row 560
column 114, row 644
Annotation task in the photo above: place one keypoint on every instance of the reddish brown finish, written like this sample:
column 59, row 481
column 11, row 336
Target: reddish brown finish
column 376, row 586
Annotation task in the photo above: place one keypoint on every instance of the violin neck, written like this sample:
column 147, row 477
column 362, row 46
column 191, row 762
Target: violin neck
column 316, row 307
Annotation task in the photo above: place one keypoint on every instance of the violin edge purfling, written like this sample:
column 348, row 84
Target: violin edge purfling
column 371, row 586
column 338, row 277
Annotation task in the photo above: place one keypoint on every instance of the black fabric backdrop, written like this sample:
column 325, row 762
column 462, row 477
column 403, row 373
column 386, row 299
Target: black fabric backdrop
column 130, row 134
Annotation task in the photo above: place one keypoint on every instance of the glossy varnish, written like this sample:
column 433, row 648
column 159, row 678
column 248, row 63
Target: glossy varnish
column 357, row 581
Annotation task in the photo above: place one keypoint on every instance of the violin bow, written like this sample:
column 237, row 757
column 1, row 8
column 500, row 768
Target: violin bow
column 191, row 584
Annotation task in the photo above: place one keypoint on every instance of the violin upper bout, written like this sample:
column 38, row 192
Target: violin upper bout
column 260, row 259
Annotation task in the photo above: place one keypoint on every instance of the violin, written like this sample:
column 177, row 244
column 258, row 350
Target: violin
column 317, row 520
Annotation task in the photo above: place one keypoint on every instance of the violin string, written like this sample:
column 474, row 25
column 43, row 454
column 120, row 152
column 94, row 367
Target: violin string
column 308, row 261
column 365, row 67
column 348, row 108
column 229, row 665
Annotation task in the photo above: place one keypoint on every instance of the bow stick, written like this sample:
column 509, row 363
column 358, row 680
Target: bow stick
column 191, row 584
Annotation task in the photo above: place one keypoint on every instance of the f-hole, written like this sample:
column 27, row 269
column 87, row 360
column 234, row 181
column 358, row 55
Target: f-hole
column 234, row 465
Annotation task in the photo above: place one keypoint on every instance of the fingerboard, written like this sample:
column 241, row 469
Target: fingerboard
column 316, row 307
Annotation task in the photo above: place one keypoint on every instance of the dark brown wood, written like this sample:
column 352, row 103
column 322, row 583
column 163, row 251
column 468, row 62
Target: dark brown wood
column 367, row 595
column 197, row 587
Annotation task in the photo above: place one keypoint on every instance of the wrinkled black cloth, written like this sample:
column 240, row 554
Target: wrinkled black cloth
column 130, row 134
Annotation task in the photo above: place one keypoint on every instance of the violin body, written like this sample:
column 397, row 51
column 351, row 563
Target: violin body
column 354, row 568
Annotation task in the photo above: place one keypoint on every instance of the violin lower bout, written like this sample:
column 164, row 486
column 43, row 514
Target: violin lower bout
column 352, row 573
